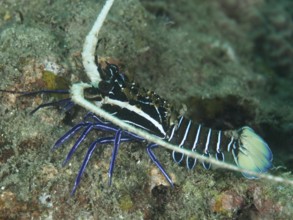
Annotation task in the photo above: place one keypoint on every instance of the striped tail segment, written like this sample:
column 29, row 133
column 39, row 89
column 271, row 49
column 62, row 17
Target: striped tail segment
column 250, row 151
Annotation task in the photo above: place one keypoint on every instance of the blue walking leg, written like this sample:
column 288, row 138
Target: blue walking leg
column 68, row 135
column 83, row 136
column 89, row 154
column 114, row 154
column 77, row 143
column 158, row 164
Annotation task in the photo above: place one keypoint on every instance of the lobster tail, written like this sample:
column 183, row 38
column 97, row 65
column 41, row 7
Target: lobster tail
column 253, row 153
column 250, row 151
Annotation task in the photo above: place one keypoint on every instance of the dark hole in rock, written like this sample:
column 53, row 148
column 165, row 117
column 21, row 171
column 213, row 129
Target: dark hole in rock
column 160, row 196
column 228, row 112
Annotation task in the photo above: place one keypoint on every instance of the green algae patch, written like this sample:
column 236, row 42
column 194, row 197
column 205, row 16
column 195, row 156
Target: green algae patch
column 125, row 203
column 53, row 81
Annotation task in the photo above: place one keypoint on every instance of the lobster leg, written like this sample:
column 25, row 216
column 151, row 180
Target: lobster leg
column 150, row 147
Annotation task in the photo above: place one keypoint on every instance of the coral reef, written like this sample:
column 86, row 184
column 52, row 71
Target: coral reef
column 201, row 54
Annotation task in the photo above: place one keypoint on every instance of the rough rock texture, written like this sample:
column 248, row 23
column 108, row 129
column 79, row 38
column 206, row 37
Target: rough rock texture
column 201, row 55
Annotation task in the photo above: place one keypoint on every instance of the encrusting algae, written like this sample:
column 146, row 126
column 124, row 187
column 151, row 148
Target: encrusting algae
column 193, row 68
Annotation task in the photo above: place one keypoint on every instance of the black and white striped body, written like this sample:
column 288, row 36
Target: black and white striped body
column 130, row 103
column 206, row 141
column 146, row 110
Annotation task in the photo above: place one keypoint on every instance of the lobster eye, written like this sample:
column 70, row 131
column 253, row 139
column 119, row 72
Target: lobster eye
column 92, row 93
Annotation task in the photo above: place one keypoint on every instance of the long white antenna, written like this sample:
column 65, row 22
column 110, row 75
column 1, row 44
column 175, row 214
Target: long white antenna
column 88, row 56
column 90, row 43
column 77, row 97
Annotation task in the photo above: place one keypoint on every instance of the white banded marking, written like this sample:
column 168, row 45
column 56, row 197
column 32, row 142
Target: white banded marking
column 180, row 121
column 185, row 134
column 159, row 114
column 135, row 124
column 196, row 138
column 136, row 110
column 219, row 142
column 229, row 145
column 172, row 133
column 208, row 141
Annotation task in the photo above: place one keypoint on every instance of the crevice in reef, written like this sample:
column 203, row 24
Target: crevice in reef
column 221, row 112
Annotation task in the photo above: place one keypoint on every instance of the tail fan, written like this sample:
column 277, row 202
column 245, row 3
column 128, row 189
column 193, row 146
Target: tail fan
column 253, row 153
